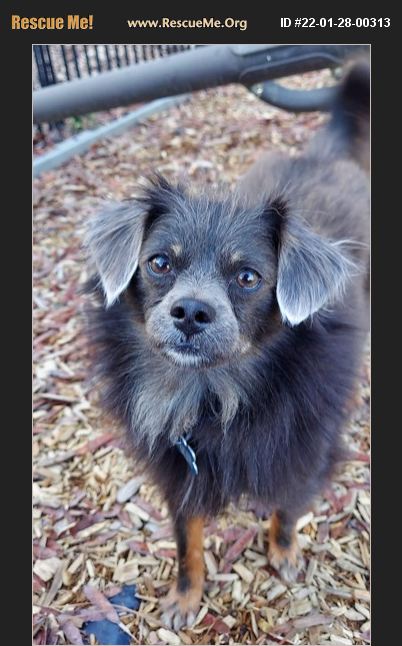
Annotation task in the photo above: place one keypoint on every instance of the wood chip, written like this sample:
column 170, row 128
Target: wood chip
column 339, row 592
column 353, row 615
column 167, row 637
column 46, row 568
column 299, row 607
column 264, row 626
column 76, row 564
column 72, row 633
column 126, row 572
column 240, row 544
column 254, row 626
column 224, row 577
column 237, row 592
column 210, row 563
column 135, row 510
column 314, row 619
column 363, row 610
column 304, row 521
column 99, row 600
column 364, row 595
column 276, row 591
column 311, row 569
column 129, row 489
column 202, row 613
column 229, row 621
column 243, row 572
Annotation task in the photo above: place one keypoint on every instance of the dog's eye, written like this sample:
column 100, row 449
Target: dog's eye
column 159, row 264
column 248, row 278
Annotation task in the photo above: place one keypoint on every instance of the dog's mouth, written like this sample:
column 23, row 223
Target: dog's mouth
column 185, row 354
column 189, row 353
column 186, row 348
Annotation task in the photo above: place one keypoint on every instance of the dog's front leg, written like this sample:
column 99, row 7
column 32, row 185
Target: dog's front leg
column 283, row 553
column 182, row 602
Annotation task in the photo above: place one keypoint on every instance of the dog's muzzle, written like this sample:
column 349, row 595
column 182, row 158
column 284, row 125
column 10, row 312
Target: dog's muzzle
column 192, row 316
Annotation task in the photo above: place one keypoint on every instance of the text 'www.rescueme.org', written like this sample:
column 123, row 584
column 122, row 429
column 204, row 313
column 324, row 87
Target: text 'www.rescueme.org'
column 188, row 23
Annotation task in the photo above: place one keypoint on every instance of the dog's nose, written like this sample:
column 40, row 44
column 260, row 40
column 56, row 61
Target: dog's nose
column 192, row 316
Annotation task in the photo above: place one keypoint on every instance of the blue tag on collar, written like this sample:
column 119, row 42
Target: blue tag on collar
column 188, row 454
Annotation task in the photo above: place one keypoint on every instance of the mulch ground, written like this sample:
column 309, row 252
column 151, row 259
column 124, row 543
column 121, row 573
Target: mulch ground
column 97, row 524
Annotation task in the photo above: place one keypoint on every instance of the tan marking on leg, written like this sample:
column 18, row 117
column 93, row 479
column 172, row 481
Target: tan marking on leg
column 285, row 559
column 181, row 607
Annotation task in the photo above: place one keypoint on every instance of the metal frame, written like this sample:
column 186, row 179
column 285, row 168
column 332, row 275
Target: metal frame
column 195, row 69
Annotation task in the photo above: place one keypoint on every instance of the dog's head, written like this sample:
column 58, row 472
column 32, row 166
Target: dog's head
column 208, row 277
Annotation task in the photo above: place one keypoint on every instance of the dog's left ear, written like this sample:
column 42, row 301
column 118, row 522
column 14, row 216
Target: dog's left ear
column 312, row 271
column 114, row 240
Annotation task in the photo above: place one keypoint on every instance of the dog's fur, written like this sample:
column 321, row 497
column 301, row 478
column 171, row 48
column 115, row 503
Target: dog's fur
column 263, row 389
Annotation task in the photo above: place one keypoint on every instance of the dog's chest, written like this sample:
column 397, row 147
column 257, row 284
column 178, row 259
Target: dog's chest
column 243, row 458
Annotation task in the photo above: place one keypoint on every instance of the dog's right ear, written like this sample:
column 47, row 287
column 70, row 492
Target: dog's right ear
column 312, row 270
column 312, row 273
column 114, row 240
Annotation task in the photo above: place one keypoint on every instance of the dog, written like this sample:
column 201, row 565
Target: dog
column 228, row 330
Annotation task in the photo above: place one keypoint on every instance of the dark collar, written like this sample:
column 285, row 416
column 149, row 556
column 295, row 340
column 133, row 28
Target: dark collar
column 187, row 453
